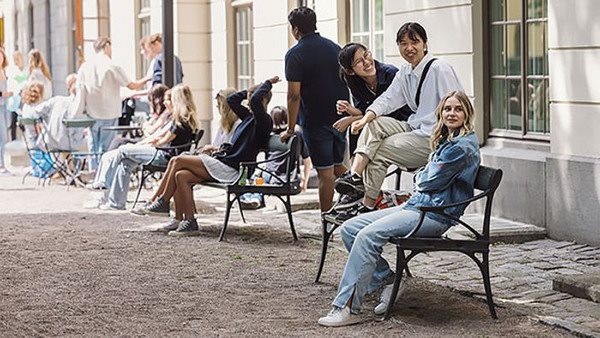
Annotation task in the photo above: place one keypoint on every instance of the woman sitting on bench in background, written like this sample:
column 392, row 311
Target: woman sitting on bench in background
column 184, row 171
column 448, row 177
column 117, row 165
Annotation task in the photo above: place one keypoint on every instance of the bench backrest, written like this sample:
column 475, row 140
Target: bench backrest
column 290, row 148
column 79, row 123
column 487, row 180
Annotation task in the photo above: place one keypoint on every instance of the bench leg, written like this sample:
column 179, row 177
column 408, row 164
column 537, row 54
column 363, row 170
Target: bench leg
column 141, row 184
column 400, row 266
column 240, row 206
column 326, row 237
column 227, row 211
column 288, row 208
column 485, row 271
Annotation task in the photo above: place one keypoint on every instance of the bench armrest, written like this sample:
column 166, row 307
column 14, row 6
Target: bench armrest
column 440, row 211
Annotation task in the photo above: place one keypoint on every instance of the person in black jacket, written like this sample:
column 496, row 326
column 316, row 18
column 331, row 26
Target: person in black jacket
column 184, row 171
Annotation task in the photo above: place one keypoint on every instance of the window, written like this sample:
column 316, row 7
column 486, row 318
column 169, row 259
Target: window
column 144, row 30
column 243, row 46
column 366, row 25
column 307, row 3
column 31, row 26
column 519, row 68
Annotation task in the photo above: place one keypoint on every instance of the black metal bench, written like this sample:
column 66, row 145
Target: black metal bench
column 282, row 186
column 487, row 180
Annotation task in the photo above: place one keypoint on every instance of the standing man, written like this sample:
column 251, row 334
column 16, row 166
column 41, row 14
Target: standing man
column 155, row 47
column 100, row 81
column 314, row 86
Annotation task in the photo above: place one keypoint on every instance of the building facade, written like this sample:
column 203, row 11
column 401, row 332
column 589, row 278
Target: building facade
column 530, row 69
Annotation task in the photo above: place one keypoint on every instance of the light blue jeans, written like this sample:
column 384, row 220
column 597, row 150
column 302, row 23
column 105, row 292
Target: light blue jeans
column 115, row 172
column 364, row 237
column 99, row 139
column 4, row 118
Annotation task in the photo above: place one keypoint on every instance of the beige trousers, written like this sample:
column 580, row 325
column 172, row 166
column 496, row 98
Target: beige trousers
column 386, row 141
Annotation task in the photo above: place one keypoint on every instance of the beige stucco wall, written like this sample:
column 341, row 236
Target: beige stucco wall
column 574, row 67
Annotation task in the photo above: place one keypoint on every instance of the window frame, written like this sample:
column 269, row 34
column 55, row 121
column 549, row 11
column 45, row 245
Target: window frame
column 143, row 19
column 523, row 77
column 239, row 6
column 371, row 31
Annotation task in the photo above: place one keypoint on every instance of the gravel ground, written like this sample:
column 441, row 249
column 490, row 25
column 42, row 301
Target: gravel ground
column 75, row 273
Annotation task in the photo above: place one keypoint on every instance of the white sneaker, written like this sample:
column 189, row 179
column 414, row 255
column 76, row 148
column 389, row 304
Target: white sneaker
column 108, row 207
column 339, row 317
column 5, row 172
column 381, row 308
column 94, row 203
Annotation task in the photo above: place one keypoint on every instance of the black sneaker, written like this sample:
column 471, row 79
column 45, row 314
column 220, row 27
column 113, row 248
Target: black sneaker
column 346, row 214
column 349, row 183
column 187, row 227
column 168, row 227
column 347, row 201
column 158, row 207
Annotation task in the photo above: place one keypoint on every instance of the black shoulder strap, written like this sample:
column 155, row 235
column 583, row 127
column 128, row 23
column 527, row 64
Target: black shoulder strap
column 425, row 70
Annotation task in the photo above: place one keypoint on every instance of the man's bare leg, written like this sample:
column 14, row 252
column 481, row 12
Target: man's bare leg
column 359, row 163
column 326, row 179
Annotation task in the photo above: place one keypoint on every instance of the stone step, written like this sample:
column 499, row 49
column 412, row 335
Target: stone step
column 501, row 230
column 586, row 286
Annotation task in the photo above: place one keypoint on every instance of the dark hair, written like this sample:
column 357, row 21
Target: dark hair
column 345, row 58
column 279, row 116
column 414, row 31
column 100, row 43
column 304, row 19
column 156, row 97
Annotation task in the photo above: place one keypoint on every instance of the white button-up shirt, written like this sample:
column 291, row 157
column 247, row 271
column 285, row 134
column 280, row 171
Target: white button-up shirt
column 440, row 79
column 100, row 81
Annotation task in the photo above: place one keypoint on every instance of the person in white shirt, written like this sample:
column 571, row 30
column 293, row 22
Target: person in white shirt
column 17, row 79
column 100, row 81
column 417, row 88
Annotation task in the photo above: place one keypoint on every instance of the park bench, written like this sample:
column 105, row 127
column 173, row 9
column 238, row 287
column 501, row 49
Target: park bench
column 280, row 186
column 148, row 169
column 486, row 181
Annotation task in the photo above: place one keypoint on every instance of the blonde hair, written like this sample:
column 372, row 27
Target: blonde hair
column 36, row 60
column 440, row 131
column 184, row 108
column 33, row 92
column 228, row 117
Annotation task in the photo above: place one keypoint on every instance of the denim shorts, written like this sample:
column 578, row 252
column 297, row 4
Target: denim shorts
column 325, row 146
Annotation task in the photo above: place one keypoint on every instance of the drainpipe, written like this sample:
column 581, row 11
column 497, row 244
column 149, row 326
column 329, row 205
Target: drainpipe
column 168, row 66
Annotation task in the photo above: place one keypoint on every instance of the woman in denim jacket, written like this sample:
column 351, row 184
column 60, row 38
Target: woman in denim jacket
column 448, row 177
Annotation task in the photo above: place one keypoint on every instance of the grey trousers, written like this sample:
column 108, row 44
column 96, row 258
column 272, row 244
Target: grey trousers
column 386, row 141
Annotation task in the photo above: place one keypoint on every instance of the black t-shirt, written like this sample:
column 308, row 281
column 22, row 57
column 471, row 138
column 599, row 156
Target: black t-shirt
column 313, row 62
column 183, row 134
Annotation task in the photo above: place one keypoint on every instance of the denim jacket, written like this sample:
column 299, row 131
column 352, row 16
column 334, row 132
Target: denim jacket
column 448, row 177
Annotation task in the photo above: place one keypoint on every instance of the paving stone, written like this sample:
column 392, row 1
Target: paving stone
column 581, row 319
column 533, row 294
column 580, row 306
column 586, row 286
column 575, row 328
column 554, row 298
